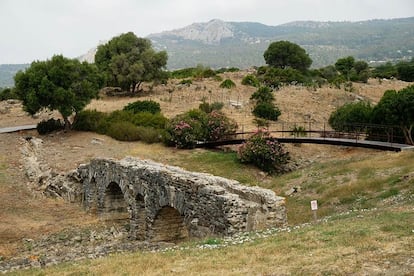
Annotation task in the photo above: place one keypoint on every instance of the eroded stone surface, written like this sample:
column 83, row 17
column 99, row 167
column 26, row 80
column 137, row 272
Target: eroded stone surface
column 155, row 199
column 207, row 204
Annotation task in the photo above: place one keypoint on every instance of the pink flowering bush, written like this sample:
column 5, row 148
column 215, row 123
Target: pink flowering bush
column 263, row 151
column 219, row 126
column 185, row 130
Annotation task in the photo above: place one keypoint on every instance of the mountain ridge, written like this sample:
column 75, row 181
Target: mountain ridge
column 219, row 43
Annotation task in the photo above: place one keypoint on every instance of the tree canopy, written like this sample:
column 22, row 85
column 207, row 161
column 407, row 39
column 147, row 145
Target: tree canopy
column 349, row 116
column 128, row 60
column 353, row 70
column 285, row 54
column 61, row 84
column 397, row 108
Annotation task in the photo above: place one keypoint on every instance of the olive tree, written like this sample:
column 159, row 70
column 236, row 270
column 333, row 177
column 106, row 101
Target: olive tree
column 285, row 54
column 128, row 60
column 61, row 84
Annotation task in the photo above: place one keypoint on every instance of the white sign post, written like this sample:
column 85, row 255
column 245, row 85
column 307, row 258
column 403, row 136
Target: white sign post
column 314, row 208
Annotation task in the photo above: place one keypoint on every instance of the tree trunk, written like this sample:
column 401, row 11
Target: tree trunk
column 138, row 85
column 133, row 87
column 407, row 134
column 68, row 124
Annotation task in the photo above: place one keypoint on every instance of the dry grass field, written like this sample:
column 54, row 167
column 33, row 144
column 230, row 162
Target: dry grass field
column 379, row 241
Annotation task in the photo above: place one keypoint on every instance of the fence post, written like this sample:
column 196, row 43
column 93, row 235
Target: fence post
column 324, row 134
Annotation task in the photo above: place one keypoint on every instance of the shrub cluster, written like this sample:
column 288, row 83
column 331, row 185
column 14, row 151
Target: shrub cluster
column 124, row 125
column 208, row 108
column 227, row 83
column 143, row 106
column 264, row 107
column 185, row 130
column 7, row 93
column 250, row 80
column 193, row 72
column 349, row 116
column 264, row 152
column 51, row 125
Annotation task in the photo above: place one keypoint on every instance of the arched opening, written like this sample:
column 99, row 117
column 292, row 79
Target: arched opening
column 140, row 217
column 169, row 226
column 115, row 207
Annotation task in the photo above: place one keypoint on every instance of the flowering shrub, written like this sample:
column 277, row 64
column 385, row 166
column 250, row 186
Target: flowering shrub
column 263, row 151
column 195, row 125
column 219, row 126
column 183, row 135
column 184, row 130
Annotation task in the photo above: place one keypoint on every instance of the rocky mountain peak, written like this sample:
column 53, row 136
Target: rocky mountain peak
column 211, row 32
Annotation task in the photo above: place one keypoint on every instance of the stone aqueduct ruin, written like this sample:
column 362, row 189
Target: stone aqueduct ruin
column 165, row 203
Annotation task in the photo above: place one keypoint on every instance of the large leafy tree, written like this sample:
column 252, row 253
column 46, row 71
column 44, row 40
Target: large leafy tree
column 128, row 60
column 351, row 117
column 61, row 84
column 285, row 54
column 345, row 65
column 397, row 108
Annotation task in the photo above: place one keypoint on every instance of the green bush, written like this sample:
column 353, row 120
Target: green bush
column 51, row 125
column 208, row 73
column 231, row 69
column 264, row 152
column 123, row 131
column 182, row 73
column 250, row 80
column 385, row 71
column 143, row 106
column 350, row 116
column 406, row 71
column 298, row 131
column 275, row 77
column 149, row 135
column 263, row 94
column 208, row 108
column 7, row 94
column 89, row 120
column 227, row 83
column 147, row 119
column 266, row 110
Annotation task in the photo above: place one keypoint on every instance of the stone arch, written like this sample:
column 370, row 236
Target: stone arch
column 115, row 207
column 169, row 226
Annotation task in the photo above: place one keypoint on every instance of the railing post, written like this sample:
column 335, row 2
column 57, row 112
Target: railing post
column 324, row 134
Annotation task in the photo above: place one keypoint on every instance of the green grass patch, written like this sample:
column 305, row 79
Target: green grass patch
column 220, row 163
column 389, row 193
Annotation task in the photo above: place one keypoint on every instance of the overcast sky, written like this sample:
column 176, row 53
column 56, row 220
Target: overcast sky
column 37, row 29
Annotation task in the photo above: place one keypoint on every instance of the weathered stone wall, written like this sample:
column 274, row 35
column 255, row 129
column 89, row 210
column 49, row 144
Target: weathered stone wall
column 207, row 204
